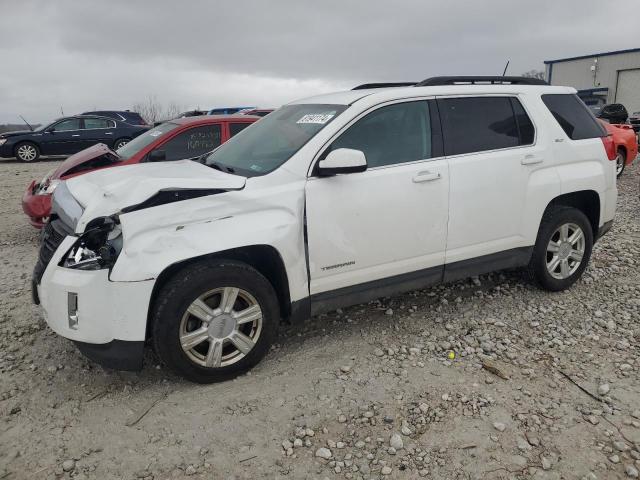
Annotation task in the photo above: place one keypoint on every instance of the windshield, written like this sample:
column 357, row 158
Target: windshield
column 269, row 143
column 134, row 146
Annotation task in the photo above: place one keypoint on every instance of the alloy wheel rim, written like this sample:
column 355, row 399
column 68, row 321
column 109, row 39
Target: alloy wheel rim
column 120, row 145
column 220, row 327
column 565, row 251
column 26, row 152
column 619, row 163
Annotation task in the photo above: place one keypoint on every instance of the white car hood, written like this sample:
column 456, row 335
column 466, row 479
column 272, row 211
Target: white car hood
column 108, row 191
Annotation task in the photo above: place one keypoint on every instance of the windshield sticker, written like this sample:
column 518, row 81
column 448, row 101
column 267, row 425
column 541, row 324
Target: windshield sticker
column 155, row 134
column 320, row 118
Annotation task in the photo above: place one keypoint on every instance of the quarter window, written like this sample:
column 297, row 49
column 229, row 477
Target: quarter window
column 477, row 124
column 397, row 133
column 573, row 116
column 193, row 142
column 235, row 128
column 67, row 125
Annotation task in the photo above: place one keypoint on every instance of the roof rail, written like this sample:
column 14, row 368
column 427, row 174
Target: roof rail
column 366, row 86
column 473, row 80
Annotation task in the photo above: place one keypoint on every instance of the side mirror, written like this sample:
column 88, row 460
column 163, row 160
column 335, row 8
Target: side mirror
column 157, row 156
column 342, row 160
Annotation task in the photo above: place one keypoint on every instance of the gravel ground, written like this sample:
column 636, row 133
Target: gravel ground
column 373, row 391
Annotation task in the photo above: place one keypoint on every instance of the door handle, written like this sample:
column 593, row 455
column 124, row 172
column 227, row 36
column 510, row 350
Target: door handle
column 75, row 135
column 109, row 133
column 531, row 160
column 426, row 177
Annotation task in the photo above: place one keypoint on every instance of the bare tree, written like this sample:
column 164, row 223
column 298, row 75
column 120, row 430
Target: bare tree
column 153, row 111
column 539, row 74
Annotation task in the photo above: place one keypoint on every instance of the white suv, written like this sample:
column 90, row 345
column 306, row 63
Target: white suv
column 329, row 201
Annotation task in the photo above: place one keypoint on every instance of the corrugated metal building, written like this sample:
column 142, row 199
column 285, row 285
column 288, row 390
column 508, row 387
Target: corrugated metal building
column 609, row 77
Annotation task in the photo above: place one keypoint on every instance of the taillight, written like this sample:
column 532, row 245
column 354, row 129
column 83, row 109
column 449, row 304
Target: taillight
column 609, row 146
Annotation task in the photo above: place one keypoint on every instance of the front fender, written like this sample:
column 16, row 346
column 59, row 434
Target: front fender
column 188, row 229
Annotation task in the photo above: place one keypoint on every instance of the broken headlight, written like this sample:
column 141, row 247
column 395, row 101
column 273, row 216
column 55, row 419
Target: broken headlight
column 97, row 248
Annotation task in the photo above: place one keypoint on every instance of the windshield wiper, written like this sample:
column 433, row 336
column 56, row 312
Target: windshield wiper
column 215, row 165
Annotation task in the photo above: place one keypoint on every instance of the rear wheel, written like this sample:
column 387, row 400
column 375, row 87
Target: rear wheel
column 562, row 249
column 121, row 142
column 27, row 152
column 213, row 321
column 621, row 160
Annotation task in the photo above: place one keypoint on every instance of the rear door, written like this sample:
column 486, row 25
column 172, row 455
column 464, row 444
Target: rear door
column 98, row 130
column 382, row 230
column 490, row 143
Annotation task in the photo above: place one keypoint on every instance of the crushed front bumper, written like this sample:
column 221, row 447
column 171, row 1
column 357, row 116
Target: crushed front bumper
column 106, row 319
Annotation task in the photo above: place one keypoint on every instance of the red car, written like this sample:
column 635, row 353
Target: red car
column 179, row 139
column 626, row 143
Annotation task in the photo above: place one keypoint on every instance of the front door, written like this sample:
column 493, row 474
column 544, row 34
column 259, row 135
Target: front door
column 382, row 230
column 63, row 138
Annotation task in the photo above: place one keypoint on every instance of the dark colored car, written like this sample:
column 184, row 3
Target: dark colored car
column 126, row 116
column 67, row 136
column 614, row 113
column 179, row 139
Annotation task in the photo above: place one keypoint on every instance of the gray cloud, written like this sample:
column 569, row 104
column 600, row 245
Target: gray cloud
column 110, row 54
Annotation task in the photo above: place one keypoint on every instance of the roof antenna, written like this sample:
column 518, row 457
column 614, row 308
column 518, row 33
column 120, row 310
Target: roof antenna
column 505, row 68
column 61, row 111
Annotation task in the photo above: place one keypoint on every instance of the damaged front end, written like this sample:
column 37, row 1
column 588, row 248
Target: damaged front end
column 97, row 248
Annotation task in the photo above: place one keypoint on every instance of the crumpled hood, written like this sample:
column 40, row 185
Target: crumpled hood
column 108, row 191
column 82, row 157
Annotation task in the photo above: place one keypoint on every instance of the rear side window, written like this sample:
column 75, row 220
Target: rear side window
column 573, row 116
column 477, row 124
column 92, row 123
column 235, row 128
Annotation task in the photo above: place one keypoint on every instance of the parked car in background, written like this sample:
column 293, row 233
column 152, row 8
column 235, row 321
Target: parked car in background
column 626, row 143
column 613, row 113
column 227, row 110
column 67, row 136
column 185, row 138
column 327, row 202
column 634, row 121
column 259, row 112
column 127, row 116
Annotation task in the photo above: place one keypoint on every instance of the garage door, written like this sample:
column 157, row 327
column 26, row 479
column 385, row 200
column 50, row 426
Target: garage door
column 628, row 89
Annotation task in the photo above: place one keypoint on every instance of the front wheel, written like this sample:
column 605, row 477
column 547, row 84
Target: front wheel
column 214, row 320
column 562, row 249
column 121, row 142
column 27, row 152
column 621, row 160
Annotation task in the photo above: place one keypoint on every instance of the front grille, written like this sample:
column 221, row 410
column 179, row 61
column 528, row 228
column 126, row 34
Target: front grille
column 53, row 234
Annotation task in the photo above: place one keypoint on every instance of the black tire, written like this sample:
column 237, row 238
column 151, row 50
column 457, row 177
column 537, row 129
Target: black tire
column 120, row 142
column 621, row 162
column 189, row 284
column 552, row 220
column 22, row 150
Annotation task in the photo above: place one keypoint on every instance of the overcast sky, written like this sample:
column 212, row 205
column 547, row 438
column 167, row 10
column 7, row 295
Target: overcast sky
column 84, row 54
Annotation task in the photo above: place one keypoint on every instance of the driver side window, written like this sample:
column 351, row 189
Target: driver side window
column 193, row 142
column 397, row 133
column 67, row 125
